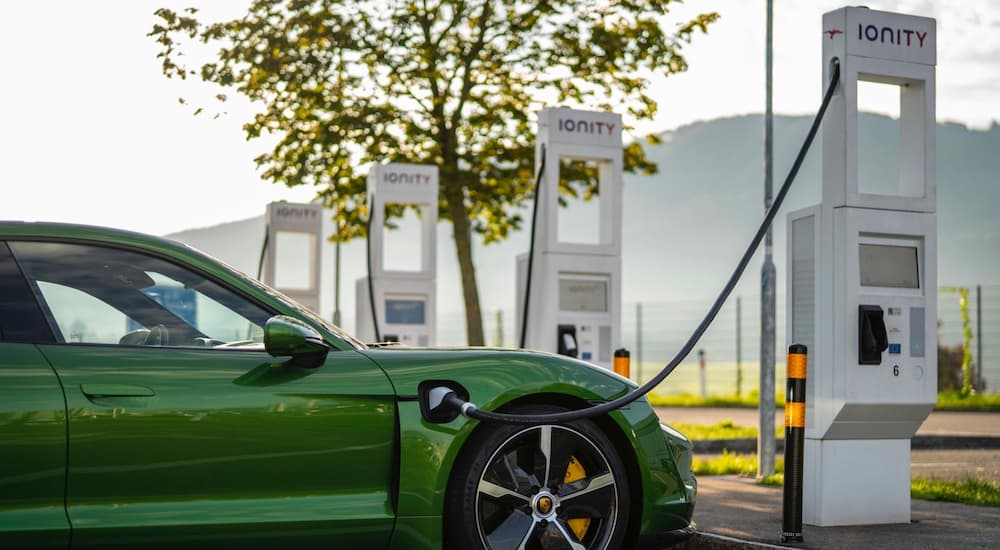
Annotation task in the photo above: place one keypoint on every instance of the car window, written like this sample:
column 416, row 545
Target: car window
column 82, row 318
column 104, row 295
column 21, row 318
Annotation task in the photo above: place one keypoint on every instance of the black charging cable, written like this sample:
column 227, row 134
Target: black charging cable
column 447, row 396
column 531, row 252
column 368, row 260
column 263, row 251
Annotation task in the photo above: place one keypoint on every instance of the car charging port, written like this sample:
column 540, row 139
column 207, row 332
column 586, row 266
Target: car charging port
column 441, row 401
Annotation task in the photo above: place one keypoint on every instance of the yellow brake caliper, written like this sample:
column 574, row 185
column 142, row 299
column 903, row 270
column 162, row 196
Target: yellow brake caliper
column 575, row 472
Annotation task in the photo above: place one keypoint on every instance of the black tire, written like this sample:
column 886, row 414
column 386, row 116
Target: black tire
column 497, row 501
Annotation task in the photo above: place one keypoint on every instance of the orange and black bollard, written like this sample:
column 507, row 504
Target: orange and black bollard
column 795, row 433
column 621, row 362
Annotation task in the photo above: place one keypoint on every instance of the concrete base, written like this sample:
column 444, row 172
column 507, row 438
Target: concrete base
column 856, row 482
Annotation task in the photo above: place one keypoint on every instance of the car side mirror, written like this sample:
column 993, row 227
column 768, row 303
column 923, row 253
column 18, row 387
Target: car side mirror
column 287, row 336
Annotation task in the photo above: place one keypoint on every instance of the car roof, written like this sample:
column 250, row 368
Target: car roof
column 71, row 230
column 94, row 233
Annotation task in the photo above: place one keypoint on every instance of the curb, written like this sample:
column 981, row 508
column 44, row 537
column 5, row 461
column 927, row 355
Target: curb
column 712, row 541
column 954, row 442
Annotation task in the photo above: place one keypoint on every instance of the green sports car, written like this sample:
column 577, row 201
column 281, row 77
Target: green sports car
column 151, row 396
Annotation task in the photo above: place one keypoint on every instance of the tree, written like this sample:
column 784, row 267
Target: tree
column 346, row 83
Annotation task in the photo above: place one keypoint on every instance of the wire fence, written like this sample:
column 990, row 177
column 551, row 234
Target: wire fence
column 654, row 331
column 984, row 313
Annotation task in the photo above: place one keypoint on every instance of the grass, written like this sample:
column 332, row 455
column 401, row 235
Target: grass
column 953, row 401
column 774, row 480
column 967, row 491
column 748, row 401
column 729, row 464
column 724, row 429
column 946, row 401
column 973, row 491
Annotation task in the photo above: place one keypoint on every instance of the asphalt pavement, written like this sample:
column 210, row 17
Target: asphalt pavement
column 737, row 512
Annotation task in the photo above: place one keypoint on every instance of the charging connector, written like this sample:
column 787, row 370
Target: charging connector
column 441, row 401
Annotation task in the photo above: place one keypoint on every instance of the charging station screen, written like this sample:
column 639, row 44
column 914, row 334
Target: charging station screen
column 404, row 312
column 889, row 266
column 583, row 295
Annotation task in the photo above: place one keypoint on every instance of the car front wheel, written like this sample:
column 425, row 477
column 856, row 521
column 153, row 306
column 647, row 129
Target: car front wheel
column 538, row 487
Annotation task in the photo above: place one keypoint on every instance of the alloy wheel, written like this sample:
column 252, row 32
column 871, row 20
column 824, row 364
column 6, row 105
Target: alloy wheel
column 547, row 487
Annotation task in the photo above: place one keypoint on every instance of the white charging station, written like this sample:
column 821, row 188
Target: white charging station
column 292, row 254
column 405, row 301
column 575, row 303
column 863, row 282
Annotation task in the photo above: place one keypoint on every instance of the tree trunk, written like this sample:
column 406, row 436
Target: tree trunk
column 463, row 247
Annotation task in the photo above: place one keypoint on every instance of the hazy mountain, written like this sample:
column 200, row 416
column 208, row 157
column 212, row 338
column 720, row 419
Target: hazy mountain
column 237, row 243
column 704, row 204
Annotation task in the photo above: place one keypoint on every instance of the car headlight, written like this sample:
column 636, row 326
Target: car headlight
column 674, row 434
column 683, row 452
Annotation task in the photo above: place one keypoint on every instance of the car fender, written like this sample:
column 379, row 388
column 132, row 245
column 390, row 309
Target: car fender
column 493, row 378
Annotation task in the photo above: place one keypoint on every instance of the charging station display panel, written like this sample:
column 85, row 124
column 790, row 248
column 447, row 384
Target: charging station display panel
column 889, row 266
column 405, row 311
column 586, row 295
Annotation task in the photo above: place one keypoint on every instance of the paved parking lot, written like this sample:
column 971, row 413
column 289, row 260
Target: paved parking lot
column 956, row 464
column 730, row 506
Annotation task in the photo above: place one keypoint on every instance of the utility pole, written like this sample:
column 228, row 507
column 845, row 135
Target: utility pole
column 336, row 278
column 739, row 346
column 765, row 436
column 979, row 338
column 498, row 336
column 702, row 375
column 638, row 342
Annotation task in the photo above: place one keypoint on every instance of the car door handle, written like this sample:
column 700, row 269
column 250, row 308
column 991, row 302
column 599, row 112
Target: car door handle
column 116, row 390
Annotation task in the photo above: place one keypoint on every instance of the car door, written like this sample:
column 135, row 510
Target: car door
column 32, row 423
column 183, row 430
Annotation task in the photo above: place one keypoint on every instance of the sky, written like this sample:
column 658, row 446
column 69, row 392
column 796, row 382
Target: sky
column 91, row 132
